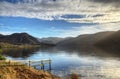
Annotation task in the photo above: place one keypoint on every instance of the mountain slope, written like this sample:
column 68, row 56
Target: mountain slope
column 83, row 41
column 111, row 42
column 19, row 38
column 50, row 40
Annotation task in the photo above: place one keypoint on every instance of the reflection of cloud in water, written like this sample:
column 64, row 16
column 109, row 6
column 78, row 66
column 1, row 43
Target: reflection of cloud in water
column 88, row 64
column 81, row 52
column 108, row 69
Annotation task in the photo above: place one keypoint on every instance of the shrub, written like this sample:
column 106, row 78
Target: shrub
column 0, row 51
column 2, row 57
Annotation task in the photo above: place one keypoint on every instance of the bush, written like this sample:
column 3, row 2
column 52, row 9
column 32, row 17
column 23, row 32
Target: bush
column 0, row 51
column 2, row 57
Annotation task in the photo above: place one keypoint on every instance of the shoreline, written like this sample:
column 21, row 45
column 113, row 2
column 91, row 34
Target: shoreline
column 23, row 72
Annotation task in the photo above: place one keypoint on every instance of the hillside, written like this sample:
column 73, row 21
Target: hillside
column 23, row 72
column 19, row 38
column 1, row 35
column 83, row 41
column 50, row 40
column 111, row 42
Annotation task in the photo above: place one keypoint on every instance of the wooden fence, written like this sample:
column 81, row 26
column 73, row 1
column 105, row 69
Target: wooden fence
column 30, row 63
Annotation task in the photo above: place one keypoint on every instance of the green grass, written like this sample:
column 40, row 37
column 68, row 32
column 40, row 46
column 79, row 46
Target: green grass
column 7, row 45
column 1, row 57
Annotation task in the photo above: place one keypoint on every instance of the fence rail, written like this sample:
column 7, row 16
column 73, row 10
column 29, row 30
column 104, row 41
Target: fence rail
column 30, row 63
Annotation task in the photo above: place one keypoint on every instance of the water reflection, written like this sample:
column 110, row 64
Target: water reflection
column 19, row 52
column 96, row 64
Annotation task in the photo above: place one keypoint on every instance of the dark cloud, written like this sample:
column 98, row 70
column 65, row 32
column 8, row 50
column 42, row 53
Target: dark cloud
column 115, row 3
column 107, row 1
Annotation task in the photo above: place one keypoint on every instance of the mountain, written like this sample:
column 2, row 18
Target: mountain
column 83, row 41
column 50, row 40
column 1, row 35
column 19, row 38
column 110, row 42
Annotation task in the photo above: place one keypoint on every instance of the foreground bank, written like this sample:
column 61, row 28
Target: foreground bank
column 24, row 72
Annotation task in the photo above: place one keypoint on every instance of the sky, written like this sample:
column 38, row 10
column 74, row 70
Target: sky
column 59, row 18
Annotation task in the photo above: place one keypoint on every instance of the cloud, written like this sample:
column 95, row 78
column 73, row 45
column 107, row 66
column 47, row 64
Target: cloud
column 11, row 32
column 75, row 31
column 6, row 33
column 54, row 10
column 107, row 1
column 113, row 3
column 104, row 13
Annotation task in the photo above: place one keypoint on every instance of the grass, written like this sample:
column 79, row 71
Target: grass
column 23, row 72
column 1, row 57
column 8, row 45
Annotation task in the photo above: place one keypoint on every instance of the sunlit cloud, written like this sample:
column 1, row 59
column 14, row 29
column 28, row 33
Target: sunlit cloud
column 103, row 13
column 51, row 10
column 6, row 33
column 75, row 31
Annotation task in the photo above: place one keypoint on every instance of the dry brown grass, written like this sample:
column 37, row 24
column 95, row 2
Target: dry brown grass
column 23, row 72
column 73, row 76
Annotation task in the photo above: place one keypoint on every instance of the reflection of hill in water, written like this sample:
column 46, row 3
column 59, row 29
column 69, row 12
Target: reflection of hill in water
column 19, row 52
column 102, row 43
column 98, row 44
column 91, row 51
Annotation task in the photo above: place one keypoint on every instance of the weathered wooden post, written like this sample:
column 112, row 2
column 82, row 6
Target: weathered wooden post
column 41, row 65
column 9, row 62
column 29, row 63
column 50, row 65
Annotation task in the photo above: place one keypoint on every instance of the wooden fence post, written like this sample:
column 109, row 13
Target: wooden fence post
column 29, row 63
column 50, row 65
column 9, row 62
column 42, row 67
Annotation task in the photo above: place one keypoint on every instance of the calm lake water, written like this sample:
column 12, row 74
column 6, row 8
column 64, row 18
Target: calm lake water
column 87, row 65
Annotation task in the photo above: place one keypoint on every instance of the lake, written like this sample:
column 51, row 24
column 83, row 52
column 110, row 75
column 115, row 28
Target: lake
column 88, row 65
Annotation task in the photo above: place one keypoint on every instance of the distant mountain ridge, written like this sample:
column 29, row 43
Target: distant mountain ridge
column 110, row 42
column 51, row 40
column 105, row 40
column 101, row 39
column 19, row 38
